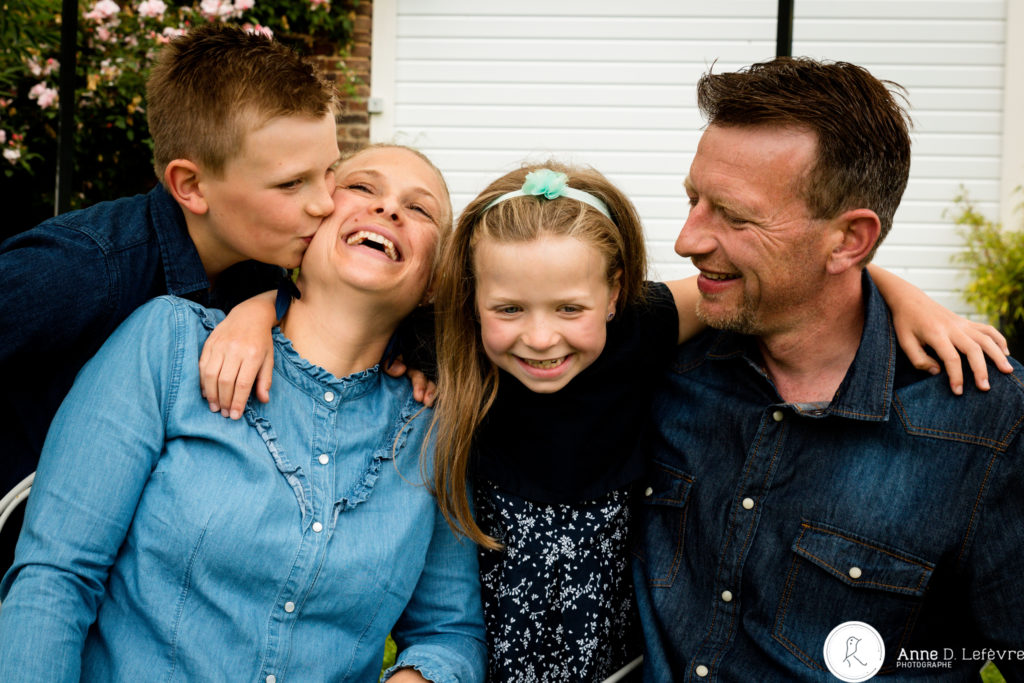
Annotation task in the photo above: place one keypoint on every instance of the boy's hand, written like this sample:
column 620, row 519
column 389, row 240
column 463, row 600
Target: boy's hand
column 239, row 351
column 950, row 335
column 423, row 390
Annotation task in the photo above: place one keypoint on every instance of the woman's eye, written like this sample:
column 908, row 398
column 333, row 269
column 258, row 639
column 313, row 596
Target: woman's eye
column 358, row 187
column 422, row 211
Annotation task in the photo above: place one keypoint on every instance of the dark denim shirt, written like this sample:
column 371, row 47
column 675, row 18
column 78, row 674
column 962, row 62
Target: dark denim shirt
column 767, row 524
column 68, row 282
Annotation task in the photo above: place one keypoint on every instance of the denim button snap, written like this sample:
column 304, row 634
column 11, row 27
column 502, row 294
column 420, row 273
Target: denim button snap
column 726, row 596
column 748, row 503
column 329, row 396
column 777, row 416
column 271, row 678
column 648, row 491
column 855, row 572
column 324, row 458
column 702, row 671
column 318, row 527
column 289, row 607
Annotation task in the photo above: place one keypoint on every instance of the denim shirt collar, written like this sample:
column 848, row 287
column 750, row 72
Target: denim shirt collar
column 866, row 391
column 183, row 269
column 316, row 380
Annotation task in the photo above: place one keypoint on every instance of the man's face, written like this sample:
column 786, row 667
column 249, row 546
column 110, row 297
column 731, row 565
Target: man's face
column 271, row 196
column 761, row 256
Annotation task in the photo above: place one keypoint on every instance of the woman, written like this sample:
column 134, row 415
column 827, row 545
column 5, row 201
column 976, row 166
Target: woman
column 164, row 542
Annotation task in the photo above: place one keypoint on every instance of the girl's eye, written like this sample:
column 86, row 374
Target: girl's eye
column 571, row 308
column 508, row 310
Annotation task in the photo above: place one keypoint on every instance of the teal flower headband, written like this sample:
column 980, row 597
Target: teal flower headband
column 552, row 185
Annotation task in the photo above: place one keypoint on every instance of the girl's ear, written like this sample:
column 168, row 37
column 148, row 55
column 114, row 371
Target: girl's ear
column 616, row 289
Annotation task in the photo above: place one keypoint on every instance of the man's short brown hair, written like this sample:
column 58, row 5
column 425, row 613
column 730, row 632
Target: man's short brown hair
column 861, row 125
column 211, row 86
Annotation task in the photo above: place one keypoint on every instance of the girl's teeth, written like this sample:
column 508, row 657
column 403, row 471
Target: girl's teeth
column 543, row 364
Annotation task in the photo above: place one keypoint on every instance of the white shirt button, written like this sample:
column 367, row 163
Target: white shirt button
column 324, row 458
column 289, row 607
column 855, row 572
column 318, row 527
column 748, row 503
column 701, row 670
column 727, row 596
column 329, row 396
column 271, row 678
column 777, row 415
column 648, row 491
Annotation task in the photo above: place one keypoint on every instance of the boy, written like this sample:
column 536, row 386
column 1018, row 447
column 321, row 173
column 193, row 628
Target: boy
column 244, row 146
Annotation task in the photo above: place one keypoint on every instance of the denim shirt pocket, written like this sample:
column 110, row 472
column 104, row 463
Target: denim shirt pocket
column 836, row 576
column 663, row 524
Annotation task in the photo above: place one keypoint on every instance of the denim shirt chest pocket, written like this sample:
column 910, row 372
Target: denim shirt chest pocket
column 847, row 578
column 663, row 516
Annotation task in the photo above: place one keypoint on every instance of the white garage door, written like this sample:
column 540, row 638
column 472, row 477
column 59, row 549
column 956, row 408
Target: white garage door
column 479, row 86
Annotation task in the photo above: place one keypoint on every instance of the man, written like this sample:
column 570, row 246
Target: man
column 804, row 474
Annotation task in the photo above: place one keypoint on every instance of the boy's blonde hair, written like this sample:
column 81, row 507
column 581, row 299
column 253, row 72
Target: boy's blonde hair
column 211, row 86
column 467, row 379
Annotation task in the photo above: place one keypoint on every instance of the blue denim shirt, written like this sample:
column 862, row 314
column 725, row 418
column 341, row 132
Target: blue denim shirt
column 766, row 524
column 164, row 542
column 68, row 282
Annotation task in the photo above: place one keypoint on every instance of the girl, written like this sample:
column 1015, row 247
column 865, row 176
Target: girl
column 550, row 345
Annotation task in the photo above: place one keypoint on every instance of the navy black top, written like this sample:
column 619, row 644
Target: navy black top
column 585, row 440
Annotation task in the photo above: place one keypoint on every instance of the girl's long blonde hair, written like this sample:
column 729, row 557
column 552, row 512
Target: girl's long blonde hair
column 467, row 379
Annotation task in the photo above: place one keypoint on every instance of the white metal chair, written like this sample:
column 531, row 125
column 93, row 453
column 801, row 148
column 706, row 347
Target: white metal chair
column 12, row 500
column 15, row 496
column 621, row 673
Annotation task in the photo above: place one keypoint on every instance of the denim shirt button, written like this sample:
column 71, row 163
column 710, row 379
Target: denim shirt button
column 855, row 572
column 748, row 503
column 726, row 596
column 271, row 678
column 324, row 459
column 701, row 670
column 777, row 416
column 648, row 492
column 289, row 607
column 329, row 396
column 318, row 527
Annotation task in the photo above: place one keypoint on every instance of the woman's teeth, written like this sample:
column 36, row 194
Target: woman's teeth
column 387, row 245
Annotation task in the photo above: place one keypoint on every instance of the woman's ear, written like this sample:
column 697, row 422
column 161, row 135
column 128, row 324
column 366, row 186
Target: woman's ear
column 181, row 178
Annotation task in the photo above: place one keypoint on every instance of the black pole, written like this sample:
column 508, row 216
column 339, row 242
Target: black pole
column 66, row 121
column 784, row 30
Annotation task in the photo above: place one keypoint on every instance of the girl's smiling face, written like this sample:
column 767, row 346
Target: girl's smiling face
column 543, row 307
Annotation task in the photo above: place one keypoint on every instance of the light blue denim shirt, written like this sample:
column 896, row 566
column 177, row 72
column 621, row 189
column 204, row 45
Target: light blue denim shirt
column 164, row 542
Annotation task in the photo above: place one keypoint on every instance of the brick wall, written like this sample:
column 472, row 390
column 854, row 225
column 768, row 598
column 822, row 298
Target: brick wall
column 353, row 119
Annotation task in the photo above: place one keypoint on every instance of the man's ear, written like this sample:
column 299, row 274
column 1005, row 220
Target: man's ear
column 181, row 178
column 857, row 233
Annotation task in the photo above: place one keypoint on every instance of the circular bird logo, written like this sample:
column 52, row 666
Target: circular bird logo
column 854, row 651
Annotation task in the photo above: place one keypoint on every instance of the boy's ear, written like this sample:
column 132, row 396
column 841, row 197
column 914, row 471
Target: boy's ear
column 181, row 177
